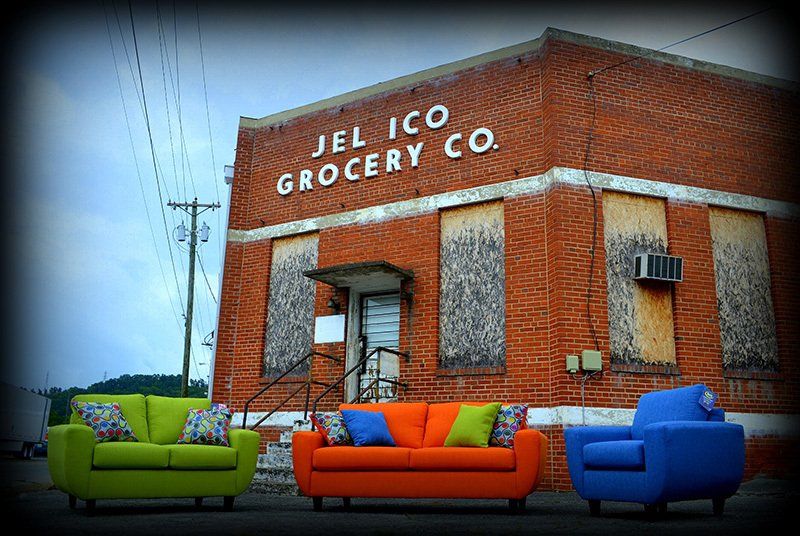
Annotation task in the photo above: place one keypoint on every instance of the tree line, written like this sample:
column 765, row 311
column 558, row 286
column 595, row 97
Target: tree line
column 146, row 384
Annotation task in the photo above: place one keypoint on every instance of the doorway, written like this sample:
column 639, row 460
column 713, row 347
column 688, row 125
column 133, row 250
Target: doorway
column 377, row 325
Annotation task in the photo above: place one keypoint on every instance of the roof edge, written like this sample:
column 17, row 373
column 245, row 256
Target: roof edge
column 516, row 50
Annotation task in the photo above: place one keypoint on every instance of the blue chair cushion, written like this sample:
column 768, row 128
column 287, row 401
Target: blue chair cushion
column 682, row 404
column 614, row 455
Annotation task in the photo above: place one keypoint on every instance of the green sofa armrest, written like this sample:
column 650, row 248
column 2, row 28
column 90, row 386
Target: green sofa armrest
column 70, row 449
column 246, row 443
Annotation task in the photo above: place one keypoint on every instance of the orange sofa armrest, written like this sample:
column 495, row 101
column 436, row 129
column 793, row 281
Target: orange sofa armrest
column 530, row 450
column 303, row 446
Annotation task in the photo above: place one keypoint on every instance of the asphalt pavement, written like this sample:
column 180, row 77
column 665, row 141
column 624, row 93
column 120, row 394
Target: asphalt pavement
column 29, row 498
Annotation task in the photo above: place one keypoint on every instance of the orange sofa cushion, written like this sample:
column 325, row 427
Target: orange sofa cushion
column 463, row 459
column 361, row 459
column 440, row 420
column 406, row 420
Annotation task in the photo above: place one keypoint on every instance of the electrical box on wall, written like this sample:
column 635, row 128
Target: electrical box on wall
column 573, row 364
column 658, row 267
column 591, row 360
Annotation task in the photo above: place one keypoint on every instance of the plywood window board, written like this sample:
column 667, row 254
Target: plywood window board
column 744, row 296
column 472, row 305
column 290, row 310
column 641, row 328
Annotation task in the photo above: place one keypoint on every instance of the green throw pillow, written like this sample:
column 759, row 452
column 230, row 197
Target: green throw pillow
column 473, row 426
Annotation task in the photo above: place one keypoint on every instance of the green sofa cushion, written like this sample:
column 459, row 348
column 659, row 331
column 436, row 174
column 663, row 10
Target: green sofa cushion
column 133, row 407
column 472, row 426
column 201, row 457
column 117, row 455
column 166, row 416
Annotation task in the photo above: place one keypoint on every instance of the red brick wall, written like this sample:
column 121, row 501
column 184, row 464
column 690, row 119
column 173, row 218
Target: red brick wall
column 654, row 121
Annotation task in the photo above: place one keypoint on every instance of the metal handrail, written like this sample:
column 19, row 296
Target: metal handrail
column 305, row 384
column 362, row 362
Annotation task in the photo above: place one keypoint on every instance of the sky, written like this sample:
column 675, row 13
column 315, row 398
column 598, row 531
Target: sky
column 90, row 276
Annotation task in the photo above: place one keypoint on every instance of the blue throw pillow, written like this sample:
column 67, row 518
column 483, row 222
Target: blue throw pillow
column 367, row 428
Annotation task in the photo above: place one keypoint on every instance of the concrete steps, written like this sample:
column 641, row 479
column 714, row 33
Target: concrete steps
column 274, row 474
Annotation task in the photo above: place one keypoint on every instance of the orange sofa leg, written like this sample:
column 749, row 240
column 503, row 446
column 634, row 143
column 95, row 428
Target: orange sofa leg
column 317, row 503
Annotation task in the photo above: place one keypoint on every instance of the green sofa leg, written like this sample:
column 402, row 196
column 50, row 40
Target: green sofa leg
column 73, row 501
column 227, row 504
column 90, row 506
column 198, row 502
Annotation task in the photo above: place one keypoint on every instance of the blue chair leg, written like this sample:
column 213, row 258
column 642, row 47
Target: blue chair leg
column 719, row 505
column 656, row 510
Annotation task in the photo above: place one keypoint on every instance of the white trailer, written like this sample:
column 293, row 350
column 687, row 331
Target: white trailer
column 23, row 419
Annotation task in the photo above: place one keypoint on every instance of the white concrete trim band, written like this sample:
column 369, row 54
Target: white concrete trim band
column 517, row 187
column 755, row 424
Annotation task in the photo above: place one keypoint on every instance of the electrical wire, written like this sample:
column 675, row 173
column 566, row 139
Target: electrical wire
column 701, row 34
column 152, row 146
column 184, row 146
column 138, row 171
column 592, row 252
column 208, row 118
column 203, row 269
column 590, row 138
column 162, row 48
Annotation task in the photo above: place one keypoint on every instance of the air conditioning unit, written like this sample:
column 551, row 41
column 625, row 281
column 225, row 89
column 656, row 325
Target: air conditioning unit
column 658, row 267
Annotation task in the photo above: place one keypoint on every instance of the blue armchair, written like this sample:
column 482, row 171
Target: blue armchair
column 675, row 450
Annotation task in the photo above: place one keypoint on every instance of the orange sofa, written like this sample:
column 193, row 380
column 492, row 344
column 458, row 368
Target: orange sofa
column 419, row 466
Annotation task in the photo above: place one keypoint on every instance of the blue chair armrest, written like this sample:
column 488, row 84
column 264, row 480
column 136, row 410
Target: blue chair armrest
column 693, row 460
column 575, row 439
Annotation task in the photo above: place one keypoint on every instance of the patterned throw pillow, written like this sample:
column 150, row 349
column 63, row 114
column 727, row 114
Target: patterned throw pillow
column 510, row 419
column 206, row 427
column 106, row 420
column 332, row 428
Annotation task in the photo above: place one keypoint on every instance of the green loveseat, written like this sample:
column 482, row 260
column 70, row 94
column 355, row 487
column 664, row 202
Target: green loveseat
column 155, row 466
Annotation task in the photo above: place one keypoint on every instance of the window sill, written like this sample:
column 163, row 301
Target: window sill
column 300, row 378
column 752, row 375
column 637, row 368
column 478, row 371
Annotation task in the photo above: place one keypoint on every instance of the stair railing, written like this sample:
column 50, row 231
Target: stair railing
column 304, row 384
column 362, row 363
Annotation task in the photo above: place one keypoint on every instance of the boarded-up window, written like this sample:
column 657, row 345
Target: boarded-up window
column 741, row 268
column 290, row 313
column 640, row 324
column 472, row 305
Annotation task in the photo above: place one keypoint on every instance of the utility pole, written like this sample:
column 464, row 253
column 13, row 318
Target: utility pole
column 192, row 210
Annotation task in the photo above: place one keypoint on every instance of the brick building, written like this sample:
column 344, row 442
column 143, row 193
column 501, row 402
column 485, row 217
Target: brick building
column 451, row 214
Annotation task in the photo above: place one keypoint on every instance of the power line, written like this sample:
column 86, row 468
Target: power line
column 136, row 164
column 152, row 146
column 203, row 269
column 590, row 138
column 161, row 48
column 208, row 120
column 701, row 34
column 592, row 252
